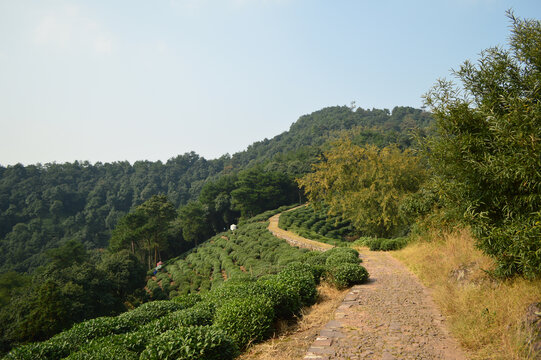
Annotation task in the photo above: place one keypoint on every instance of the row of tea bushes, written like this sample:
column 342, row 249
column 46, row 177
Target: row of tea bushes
column 316, row 225
column 382, row 244
column 215, row 325
column 250, row 251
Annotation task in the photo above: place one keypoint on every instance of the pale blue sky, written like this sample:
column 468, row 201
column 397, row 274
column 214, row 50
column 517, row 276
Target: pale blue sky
column 135, row 80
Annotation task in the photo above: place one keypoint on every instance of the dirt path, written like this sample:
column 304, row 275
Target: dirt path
column 294, row 239
column 391, row 317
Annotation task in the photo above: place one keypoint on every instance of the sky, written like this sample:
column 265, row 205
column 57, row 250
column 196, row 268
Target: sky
column 102, row 80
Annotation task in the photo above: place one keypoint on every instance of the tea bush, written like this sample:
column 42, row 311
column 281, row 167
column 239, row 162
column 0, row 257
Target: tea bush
column 381, row 244
column 345, row 275
column 147, row 312
column 341, row 250
column 188, row 300
column 284, row 297
column 316, row 225
column 232, row 290
column 191, row 343
column 47, row 350
column 246, row 320
column 83, row 332
column 135, row 341
column 301, row 277
column 339, row 258
column 196, row 315
column 240, row 308
column 102, row 351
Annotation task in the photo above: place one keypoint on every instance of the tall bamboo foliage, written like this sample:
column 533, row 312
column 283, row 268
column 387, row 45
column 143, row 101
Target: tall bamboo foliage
column 486, row 152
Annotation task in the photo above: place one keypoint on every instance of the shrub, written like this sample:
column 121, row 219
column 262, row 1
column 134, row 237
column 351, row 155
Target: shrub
column 246, row 320
column 314, row 258
column 345, row 275
column 196, row 315
column 135, row 341
column 339, row 258
column 70, row 340
column 386, row 244
column 341, row 250
column 316, row 262
column 393, row 244
column 46, row 350
column 191, row 343
column 187, row 301
column 362, row 241
column 297, row 266
column 94, row 328
column 102, row 351
column 283, row 296
column 232, row 289
column 147, row 312
column 301, row 277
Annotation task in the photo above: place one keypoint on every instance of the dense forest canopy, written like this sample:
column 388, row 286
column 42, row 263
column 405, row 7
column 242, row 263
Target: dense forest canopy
column 81, row 236
column 43, row 206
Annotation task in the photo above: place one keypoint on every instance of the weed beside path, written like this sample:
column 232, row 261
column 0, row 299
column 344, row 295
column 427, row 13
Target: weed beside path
column 485, row 314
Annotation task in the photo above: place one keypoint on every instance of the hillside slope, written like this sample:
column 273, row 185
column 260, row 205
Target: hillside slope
column 42, row 206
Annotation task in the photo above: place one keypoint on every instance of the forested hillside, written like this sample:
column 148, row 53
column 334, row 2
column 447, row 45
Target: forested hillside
column 376, row 126
column 43, row 206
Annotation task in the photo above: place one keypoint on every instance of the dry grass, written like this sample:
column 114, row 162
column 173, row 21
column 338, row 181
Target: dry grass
column 292, row 340
column 484, row 314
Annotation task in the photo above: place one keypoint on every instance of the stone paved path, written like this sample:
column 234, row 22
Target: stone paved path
column 390, row 317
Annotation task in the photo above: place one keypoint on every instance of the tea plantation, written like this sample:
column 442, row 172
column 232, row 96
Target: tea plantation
column 224, row 295
column 315, row 224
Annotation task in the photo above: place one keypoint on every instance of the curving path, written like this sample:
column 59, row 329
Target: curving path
column 294, row 239
column 391, row 317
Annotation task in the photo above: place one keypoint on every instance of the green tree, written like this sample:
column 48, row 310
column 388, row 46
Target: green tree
column 193, row 220
column 215, row 196
column 70, row 253
column 124, row 271
column 158, row 212
column 145, row 231
column 258, row 190
column 128, row 233
column 365, row 185
column 10, row 282
column 486, row 152
column 74, row 286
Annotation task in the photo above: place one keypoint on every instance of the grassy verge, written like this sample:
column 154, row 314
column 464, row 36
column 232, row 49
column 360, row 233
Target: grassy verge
column 484, row 314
